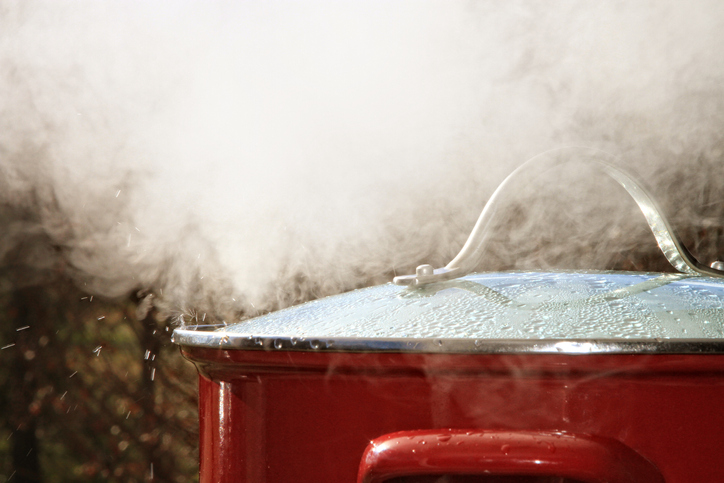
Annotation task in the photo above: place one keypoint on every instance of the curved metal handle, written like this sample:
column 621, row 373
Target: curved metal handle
column 584, row 458
column 471, row 253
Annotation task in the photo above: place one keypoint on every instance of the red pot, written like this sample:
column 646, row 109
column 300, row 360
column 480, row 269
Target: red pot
column 500, row 377
column 598, row 407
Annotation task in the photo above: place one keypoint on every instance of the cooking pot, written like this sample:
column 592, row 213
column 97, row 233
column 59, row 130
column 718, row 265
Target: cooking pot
column 447, row 375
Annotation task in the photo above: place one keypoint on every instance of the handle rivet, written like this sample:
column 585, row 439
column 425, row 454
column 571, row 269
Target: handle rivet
column 424, row 270
column 717, row 265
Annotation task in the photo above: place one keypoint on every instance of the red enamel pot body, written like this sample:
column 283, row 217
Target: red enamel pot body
column 600, row 408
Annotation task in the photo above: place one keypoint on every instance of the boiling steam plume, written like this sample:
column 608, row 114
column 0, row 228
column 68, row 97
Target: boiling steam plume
column 241, row 156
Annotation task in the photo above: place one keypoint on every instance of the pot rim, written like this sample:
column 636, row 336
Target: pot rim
column 222, row 340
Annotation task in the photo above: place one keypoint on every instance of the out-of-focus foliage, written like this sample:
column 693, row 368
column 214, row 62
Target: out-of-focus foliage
column 92, row 389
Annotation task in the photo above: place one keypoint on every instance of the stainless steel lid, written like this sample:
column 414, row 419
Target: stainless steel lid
column 447, row 310
column 570, row 312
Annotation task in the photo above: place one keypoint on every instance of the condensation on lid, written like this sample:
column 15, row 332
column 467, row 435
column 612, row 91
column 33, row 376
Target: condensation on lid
column 511, row 306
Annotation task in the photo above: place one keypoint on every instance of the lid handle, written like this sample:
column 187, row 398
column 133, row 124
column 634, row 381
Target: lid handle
column 471, row 253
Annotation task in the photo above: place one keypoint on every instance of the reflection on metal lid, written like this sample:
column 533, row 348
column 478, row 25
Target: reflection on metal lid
column 531, row 305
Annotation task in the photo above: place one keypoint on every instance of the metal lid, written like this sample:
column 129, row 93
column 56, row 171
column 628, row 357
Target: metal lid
column 497, row 312
column 570, row 312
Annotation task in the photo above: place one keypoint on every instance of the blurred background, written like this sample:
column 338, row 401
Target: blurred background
column 169, row 163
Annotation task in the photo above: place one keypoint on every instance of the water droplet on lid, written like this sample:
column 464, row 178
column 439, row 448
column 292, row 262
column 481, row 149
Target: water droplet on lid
column 505, row 448
column 444, row 437
column 278, row 344
column 314, row 344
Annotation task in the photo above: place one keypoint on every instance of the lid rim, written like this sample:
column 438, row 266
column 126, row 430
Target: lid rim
column 236, row 341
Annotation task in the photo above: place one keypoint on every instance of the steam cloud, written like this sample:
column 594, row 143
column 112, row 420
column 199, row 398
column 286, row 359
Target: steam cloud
column 241, row 156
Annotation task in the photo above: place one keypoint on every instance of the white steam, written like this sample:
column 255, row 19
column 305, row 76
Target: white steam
column 252, row 154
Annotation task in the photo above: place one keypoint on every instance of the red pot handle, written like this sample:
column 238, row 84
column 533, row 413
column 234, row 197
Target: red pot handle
column 585, row 458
